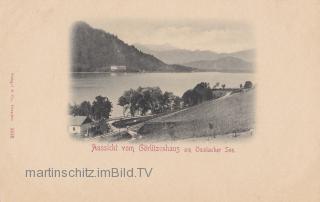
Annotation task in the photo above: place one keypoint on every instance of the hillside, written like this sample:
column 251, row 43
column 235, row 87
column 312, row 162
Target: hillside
column 234, row 113
column 172, row 55
column 224, row 64
column 95, row 50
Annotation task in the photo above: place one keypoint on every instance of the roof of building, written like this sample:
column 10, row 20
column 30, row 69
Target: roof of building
column 78, row 120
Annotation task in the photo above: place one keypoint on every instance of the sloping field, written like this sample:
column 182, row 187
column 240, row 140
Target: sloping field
column 230, row 114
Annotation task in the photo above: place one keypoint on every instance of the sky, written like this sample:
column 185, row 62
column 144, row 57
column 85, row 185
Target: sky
column 213, row 35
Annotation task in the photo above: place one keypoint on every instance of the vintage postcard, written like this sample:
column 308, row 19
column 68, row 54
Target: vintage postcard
column 159, row 101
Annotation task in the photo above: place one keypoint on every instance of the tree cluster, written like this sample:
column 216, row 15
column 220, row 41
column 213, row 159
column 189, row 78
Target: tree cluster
column 200, row 93
column 100, row 108
column 150, row 99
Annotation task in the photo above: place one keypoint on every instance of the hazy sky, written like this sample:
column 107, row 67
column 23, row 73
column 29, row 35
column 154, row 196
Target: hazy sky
column 211, row 35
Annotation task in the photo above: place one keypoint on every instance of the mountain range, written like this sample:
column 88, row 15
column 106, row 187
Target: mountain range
column 95, row 50
column 203, row 60
column 224, row 64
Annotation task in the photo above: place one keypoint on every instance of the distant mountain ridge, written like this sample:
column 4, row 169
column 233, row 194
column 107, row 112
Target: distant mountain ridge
column 95, row 50
column 182, row 56
column 178, row 56
column 240, row 61
column 225, row 64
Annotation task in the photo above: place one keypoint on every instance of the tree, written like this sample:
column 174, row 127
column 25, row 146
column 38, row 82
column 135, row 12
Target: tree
column 101, row 108
column 202, row 92
column 145, row 103
column 223, row 86
column 176, row 103
column 155, row 100
column 216, row 85
column 74, row 110
column 136, row 102
column 85, row 109
column 130, row 100
column 189, row 98
column 125, row 101
column 101, row 127
column 248, row 84
column 167, row 101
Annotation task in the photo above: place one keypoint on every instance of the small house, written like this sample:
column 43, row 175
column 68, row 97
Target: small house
column 80, row 125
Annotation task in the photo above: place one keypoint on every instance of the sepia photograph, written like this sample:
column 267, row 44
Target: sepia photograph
column 141, row 80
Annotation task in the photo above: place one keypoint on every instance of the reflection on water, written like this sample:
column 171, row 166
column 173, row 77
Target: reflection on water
column 86, row 86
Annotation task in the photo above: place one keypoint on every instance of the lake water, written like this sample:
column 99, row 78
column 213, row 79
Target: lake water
column 86, row 86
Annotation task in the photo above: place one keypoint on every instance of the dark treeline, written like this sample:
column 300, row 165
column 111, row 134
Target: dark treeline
column 203, row 92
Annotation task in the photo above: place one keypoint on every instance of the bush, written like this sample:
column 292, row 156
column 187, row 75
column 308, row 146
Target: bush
column 248, row 84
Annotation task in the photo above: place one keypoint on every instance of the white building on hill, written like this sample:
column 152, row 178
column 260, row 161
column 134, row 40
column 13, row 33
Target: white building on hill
column 118, row 68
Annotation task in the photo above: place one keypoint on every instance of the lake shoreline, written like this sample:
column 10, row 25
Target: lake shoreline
column 86, row 86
